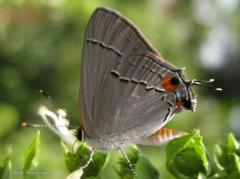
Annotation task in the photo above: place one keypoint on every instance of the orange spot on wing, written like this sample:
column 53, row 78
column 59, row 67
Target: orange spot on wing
column 166, row 83
column 163, row 135
column 180, row 104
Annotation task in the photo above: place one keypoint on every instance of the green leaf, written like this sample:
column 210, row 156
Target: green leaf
column 220, row 156
column 125, row 171
column 75, row 161
column 222, row 152
column 95, row 168
column 231, row 170
column 226, row 159
column 213, row 168
column 31, row 154
column 141, row 164
column 233, row 144
column 145, row 170
column 234, row 168
column 186, row 157
column 5, row 167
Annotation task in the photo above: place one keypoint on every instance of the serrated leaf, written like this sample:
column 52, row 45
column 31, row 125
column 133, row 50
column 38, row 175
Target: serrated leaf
column 5, row 167
column 220, row 156
column 234, row 168
column 142, row 166
column 32, row 153
column 186, row 157
column 75, row 161
column 213, row 168
column 96, row 166
column 233, row 145
column 175, row 146
column 227, row 160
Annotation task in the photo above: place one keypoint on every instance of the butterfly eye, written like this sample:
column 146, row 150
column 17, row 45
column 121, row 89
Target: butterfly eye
column 170, row 83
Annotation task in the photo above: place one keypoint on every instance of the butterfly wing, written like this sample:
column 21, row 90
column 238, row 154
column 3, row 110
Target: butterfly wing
column 121, row 92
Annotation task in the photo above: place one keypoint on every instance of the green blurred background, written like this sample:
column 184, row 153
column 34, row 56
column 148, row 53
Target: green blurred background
column 41, row 45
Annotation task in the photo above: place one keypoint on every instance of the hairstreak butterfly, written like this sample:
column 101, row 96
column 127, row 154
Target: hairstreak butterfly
column 128, row 91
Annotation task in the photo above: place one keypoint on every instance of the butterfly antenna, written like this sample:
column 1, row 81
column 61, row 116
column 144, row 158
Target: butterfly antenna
column 35, row 125
column 205, row 83
column 44, row 93
column 128, row 161
column 31, row 125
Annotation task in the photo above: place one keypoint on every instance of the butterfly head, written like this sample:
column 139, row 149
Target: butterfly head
column 191, row 103
column 183, row 89
column 186, row 98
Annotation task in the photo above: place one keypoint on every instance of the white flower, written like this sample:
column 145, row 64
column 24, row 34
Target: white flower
column 58, row 123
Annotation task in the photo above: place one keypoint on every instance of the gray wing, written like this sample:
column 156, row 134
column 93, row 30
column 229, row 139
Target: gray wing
column 120, row 91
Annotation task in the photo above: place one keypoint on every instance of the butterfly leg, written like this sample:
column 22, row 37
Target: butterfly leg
column 128, row 161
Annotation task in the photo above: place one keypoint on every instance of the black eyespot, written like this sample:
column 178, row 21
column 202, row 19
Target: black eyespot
column 174, row 81
column 187, row 104
column 80, row 134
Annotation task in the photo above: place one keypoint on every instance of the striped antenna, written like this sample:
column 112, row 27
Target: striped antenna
column 25, row 124
column 35, row 125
